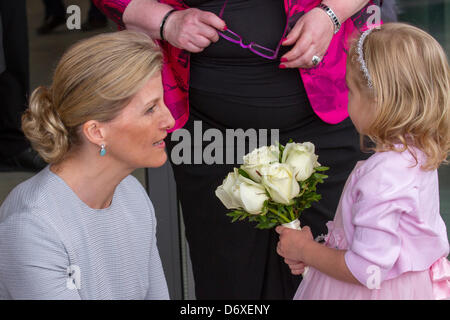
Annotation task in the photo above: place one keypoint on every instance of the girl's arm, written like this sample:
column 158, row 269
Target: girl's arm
column 329, row 261
column 300, row 246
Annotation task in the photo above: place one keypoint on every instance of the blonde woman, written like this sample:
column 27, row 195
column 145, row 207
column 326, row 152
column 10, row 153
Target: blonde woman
column 83, row 228
column 388, row 240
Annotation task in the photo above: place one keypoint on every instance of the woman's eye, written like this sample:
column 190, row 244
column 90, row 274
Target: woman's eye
column 151, row 109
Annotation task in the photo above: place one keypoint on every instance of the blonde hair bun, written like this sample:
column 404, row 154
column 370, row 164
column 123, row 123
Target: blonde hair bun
column 44, row 128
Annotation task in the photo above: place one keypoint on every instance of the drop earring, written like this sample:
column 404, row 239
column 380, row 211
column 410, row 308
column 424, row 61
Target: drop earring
column 102, row 151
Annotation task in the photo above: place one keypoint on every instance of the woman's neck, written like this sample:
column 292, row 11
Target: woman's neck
column 94, row 181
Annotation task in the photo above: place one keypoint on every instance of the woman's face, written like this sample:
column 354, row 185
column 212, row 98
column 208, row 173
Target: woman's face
column 135, row 137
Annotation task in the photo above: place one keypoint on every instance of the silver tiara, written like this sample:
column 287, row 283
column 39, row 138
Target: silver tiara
column 361, row 57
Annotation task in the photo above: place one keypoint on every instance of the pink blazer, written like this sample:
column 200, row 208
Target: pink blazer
column 325, row 84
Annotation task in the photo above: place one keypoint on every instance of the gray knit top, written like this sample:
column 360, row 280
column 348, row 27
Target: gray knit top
column 54, row 246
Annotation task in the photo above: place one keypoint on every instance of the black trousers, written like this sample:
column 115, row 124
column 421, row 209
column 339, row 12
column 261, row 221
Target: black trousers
column 236, row 260
column 14, row 81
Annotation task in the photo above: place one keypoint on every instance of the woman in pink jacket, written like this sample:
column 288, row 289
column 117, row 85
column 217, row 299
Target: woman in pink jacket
column 254, row 64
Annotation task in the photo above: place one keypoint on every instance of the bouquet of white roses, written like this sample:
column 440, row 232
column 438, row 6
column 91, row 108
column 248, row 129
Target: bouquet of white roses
column 274, row 185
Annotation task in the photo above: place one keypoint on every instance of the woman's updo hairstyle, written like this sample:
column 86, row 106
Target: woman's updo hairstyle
column 94, row 80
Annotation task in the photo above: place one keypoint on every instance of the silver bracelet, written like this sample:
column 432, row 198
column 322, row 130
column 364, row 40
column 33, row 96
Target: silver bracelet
column 332, row 15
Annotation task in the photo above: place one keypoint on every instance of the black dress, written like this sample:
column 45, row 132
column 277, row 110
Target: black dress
column 230, row 88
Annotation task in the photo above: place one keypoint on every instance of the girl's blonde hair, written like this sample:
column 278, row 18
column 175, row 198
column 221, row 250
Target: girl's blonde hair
column 94, row 80
column 411, row 87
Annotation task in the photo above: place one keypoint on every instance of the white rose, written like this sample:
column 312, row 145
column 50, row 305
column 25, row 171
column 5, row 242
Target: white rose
column 224, row 192
column 238, row 192
column 301, row 157
column 280, row 182
column 258, row 158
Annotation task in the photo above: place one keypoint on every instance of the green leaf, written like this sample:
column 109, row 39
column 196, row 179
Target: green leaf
column 244, row 216
column 237, row 214
column 281, row 148
column 244, row 174
column 265, row 208
column 270, row 225
column 266, row 225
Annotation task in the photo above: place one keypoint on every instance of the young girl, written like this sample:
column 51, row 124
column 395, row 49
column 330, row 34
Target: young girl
column 388, row 240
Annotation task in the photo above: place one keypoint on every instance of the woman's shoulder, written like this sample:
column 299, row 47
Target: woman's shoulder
column 25, row 211
column 29, row 197
column 131, row 189
column 130, row 183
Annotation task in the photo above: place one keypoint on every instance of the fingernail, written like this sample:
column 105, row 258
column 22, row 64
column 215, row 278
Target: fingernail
column 282, row 66
column 225, row 28
column 284, row 60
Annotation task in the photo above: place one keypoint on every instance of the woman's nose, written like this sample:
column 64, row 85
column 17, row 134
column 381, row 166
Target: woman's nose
column 167, row 119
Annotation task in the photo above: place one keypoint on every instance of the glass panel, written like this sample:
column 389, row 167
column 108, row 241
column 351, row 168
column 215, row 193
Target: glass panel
column 432, row 16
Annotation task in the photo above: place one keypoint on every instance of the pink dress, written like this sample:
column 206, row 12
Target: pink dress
column 388, row 221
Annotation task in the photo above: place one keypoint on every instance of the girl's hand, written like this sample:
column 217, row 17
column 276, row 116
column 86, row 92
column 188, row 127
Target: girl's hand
column 297, row 267
column 193, row 29
column 310, row 36
column 292, row 242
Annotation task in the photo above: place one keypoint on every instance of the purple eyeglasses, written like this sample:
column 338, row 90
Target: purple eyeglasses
column 253, row 47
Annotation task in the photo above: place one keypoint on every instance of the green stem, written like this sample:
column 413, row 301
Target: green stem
column 303, row 190
column 279, row 214
column 291, row 213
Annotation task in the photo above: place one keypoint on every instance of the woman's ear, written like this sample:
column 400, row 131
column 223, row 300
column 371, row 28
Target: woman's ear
column 94, row 132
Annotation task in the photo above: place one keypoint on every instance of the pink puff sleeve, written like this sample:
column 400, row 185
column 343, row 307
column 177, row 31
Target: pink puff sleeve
column 385, row 190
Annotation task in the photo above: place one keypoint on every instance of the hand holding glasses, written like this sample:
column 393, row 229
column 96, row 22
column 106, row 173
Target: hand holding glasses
column 310, row 38
column 253, row 47
column 191, row 29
